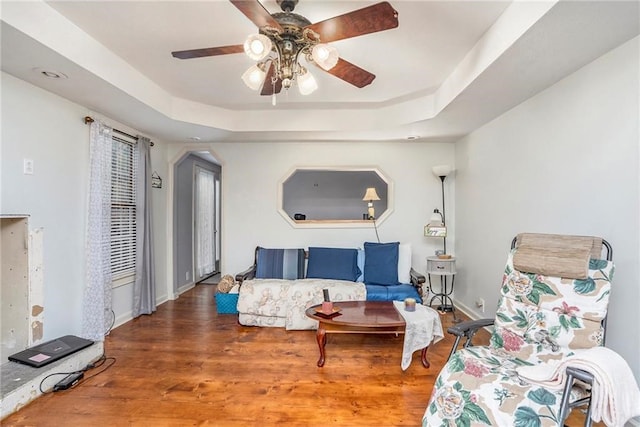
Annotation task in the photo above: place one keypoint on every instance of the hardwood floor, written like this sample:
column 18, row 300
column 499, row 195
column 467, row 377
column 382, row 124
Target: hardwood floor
column 186, row 365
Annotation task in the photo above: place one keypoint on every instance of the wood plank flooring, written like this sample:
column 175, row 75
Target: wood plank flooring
column 186, row 365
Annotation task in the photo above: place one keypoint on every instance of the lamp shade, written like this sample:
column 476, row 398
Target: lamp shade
column 325, row 56
column 257, row 46
column 371, row 194
column 435, row 219
column 306, row 83
column 441, row 170
column 254, row 77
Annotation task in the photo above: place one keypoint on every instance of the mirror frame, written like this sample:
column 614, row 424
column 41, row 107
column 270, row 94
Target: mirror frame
column 335, row 223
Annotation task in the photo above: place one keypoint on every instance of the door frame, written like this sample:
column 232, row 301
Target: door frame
column 179, row 153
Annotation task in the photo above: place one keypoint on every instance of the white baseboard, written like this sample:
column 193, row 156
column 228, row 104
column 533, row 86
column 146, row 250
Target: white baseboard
column 185, row 288
column 122, row 319
column 472, row 314
column 126, row 317
column 466, row 310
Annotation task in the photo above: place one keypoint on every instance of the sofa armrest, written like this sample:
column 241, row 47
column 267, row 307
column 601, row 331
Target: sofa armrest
column 417, row 279
column 247, row 274
column 250, row 272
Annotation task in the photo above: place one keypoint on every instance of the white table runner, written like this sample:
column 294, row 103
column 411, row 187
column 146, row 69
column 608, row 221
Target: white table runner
column 423, row 327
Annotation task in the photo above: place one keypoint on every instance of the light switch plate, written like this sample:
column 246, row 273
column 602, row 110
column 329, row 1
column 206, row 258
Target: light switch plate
column 27, row 166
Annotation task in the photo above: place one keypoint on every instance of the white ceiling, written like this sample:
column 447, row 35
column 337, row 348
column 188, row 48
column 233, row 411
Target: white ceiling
column 448, row 68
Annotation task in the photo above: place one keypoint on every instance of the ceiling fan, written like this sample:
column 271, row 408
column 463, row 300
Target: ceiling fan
column 284, row 37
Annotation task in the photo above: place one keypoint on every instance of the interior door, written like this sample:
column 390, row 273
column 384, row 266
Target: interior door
column 206, row 223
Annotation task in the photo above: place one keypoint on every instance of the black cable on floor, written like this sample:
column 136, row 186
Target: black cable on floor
column 97, row 364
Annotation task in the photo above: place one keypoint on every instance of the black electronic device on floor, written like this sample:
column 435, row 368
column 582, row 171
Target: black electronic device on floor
column 50, row 351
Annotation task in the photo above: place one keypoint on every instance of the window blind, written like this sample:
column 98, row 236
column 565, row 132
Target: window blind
column 123, row 209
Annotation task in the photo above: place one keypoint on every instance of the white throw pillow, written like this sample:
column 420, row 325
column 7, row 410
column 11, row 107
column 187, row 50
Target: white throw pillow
column 360, row 265
column 404, row 263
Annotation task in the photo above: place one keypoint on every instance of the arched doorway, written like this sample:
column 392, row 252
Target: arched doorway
column 196, row 205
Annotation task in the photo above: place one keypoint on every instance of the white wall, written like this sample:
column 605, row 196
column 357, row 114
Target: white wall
column 250, row 176
column 564, row 161
column 49, row 129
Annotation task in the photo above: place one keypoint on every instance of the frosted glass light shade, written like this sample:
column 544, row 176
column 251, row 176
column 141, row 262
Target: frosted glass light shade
column 254, row 77
column 257, row 46
column 306, row 83
column 325, row 56
column 435, row 219
column 441, row 170
column 370, row 194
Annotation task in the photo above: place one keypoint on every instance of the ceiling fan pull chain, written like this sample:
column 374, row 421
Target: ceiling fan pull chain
column 274, row 80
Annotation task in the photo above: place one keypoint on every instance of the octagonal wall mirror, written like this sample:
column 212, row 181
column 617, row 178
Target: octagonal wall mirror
column 326, row 197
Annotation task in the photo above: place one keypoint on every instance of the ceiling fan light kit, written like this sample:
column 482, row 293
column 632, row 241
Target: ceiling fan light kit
column 257, row 46
column 325, row 56
column 282, row 51
column 254, row 77
column 306, row 83
column 284, row 37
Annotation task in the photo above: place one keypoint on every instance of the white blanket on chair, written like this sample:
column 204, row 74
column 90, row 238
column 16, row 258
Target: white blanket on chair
column 615, row 395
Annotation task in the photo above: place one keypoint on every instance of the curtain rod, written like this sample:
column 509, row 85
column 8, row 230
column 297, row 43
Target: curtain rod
column 88, row 120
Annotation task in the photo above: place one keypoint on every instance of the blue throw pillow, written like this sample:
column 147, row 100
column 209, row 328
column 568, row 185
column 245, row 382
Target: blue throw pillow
column 280, row 263
column 381, row 263
column 333, row 263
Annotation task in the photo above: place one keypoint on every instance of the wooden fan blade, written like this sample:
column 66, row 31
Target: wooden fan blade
column 207, row 51
column 351, row 73
column 256, row 13
column 379, row 17
column 267, row 86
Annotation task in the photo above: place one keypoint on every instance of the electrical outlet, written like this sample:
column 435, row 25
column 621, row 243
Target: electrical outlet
column 186, row 276
column 480, row 303
column 27, row 166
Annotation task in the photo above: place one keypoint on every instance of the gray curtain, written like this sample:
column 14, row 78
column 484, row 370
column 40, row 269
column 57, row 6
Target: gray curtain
column 144, row 288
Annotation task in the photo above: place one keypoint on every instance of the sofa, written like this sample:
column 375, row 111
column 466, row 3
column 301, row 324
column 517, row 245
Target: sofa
column 282, row 283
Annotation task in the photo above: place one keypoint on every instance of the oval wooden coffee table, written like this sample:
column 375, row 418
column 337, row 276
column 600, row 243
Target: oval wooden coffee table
column 359, row 317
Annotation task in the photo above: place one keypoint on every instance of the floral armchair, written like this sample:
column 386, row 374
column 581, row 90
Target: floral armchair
column 540, row 318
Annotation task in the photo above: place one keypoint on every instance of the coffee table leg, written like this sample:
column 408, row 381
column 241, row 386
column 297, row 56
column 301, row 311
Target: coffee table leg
column 425, row 362
column 321, row 336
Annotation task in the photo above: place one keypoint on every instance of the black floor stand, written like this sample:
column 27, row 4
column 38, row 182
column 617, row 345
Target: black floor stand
column 444, row 296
